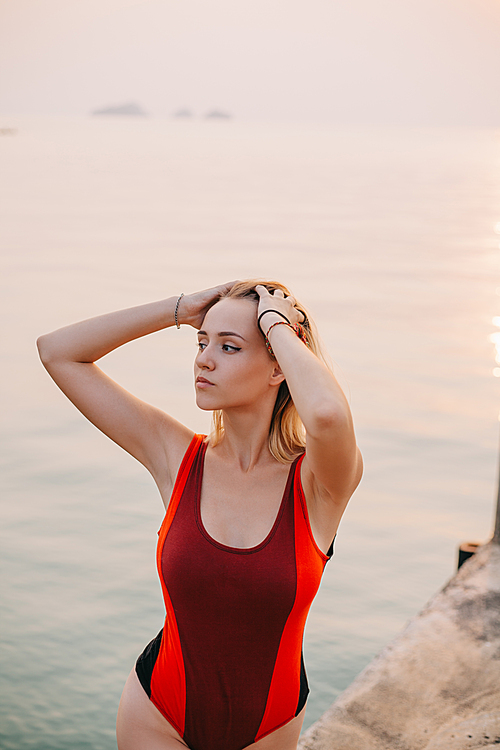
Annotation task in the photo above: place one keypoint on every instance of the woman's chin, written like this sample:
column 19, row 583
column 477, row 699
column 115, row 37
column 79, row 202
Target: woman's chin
column 206, row 404
column 205, row 408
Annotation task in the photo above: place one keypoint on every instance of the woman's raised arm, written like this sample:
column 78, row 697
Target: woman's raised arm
column 69, row 355
column 332, row 467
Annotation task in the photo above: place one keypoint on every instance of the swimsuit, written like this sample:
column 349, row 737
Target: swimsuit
column 227, row 667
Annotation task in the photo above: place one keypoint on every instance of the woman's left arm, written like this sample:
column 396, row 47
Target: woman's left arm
column 332, row 459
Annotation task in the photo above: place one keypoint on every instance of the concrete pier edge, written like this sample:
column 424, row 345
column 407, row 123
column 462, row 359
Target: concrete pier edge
column 436, row 685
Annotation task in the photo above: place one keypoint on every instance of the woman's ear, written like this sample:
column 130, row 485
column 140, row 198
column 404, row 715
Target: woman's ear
column 277, row 376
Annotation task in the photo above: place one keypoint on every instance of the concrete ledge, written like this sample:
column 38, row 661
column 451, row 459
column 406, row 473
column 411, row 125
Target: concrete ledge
column 440, row 672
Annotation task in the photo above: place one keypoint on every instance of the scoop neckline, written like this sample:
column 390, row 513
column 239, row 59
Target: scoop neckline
column 226, row 547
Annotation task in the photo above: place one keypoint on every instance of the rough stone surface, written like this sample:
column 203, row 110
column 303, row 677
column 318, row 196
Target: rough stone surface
column 482, row 731
column 442, row 670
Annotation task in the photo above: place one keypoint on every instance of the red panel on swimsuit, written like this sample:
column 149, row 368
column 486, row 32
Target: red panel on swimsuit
column 226, row 669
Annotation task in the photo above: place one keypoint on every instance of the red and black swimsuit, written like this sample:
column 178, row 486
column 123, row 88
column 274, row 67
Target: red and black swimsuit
column 227, row 667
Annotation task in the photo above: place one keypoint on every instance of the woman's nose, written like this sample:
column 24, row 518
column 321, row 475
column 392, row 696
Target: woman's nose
column 204, row 358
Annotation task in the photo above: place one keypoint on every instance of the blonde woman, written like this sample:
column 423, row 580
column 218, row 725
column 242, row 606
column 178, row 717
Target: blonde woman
column 251, row 510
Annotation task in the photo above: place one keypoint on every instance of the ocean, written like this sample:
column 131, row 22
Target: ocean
column 390, row 236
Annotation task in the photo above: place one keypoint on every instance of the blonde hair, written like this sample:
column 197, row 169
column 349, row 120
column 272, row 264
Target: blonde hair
column 287, row 437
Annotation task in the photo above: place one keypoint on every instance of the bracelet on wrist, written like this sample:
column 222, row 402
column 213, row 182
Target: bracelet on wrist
column 296, row 328
column 271, row 311
column 177, row 324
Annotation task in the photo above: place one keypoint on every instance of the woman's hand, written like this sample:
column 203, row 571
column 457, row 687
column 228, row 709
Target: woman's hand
column 279, row 303
column 193, row 307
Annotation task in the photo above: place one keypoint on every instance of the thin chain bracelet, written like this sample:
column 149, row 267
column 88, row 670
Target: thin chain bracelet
column 178, row 325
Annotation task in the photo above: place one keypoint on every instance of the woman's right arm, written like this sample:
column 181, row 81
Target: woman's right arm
column 69, row 354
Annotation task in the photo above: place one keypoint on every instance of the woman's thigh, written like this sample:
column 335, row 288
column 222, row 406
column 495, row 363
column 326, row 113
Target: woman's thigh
column 139, row 724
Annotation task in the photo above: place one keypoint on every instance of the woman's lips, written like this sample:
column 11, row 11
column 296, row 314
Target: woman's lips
column 203, row 383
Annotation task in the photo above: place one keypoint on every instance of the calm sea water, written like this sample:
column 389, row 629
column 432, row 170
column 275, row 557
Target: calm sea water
column 389, row 236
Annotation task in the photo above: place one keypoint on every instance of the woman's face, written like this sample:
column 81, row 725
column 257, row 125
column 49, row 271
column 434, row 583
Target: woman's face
column 232, row 368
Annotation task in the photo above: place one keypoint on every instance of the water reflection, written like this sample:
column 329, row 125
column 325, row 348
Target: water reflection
column 495, row 338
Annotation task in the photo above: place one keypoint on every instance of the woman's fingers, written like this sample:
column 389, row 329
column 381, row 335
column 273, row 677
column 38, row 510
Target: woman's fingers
column 194, row 307
column 227, row 287
column 277, row 300
column 261, row 291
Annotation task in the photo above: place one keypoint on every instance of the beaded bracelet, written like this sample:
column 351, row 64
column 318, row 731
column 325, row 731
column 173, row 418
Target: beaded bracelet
column 297, row 329
column 178, row 325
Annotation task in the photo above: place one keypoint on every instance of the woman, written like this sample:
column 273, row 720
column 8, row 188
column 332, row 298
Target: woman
column 251, row 511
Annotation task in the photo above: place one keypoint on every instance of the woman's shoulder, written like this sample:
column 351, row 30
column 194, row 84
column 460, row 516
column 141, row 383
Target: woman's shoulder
column 175, row 439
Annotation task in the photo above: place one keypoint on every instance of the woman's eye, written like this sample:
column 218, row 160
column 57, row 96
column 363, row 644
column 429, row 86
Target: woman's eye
column 229, row 348
column 201, row 345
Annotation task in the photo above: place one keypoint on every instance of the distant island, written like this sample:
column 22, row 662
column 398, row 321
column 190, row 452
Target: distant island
column 218, row 114
column 183, row 112
column 130, row 108
column 213, row 114
column 133, row 109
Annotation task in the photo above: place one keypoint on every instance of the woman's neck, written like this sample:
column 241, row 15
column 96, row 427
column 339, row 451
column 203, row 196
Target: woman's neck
column 245, row 441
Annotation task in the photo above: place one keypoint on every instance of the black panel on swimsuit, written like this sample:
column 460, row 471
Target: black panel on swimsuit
column 304, row 687
column 145, row 663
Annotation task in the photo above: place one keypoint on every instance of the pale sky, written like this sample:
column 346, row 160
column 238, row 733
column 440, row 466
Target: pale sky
column 418, row 62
